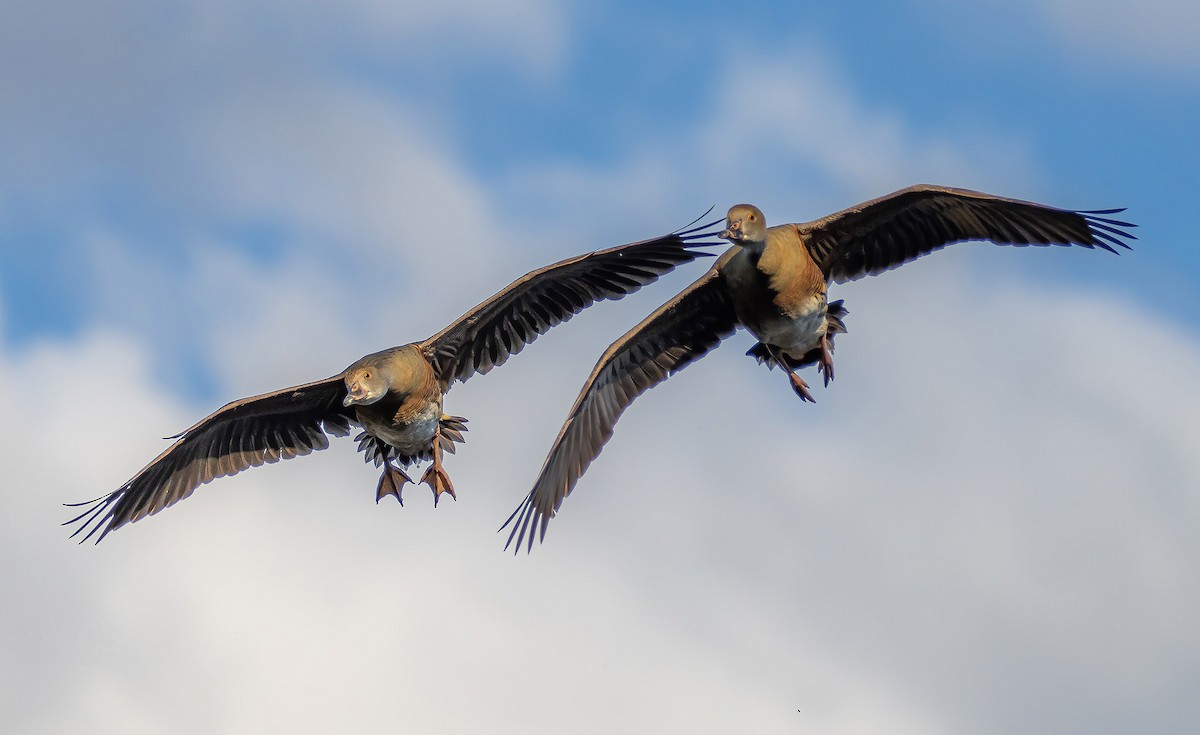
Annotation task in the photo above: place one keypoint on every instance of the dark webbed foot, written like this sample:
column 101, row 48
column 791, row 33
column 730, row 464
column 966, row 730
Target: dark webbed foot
column 436, row 478
column 391, row 482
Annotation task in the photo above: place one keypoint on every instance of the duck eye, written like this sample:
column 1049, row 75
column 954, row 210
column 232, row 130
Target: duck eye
column 366, row 375
column 753, row 218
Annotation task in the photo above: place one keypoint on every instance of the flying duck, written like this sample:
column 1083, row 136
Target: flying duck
column 395, row 395
column 773, row 282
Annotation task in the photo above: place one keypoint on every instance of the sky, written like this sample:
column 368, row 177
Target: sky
column 986, row 524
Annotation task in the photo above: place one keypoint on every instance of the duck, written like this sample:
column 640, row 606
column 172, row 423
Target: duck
column 395, row 396
column 774, row 283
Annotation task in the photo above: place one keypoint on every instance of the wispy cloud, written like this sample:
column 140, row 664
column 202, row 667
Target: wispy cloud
column 788, row 131
column 1159, row 33
column 1152, row 36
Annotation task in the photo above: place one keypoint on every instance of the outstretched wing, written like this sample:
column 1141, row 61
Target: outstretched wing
column 247, row 433
column 501, row 326
column 681, row 331
column 892, row 230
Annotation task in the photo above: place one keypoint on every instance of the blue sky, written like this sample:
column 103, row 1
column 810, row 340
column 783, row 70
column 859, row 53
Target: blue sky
column 204, row 201
column 106, row 135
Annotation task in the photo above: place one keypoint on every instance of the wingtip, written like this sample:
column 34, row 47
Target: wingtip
column 1116, row 210
column 1106, row 232
column 83, row 503
column 98, row 516
column 527, row 518
column 685, row 231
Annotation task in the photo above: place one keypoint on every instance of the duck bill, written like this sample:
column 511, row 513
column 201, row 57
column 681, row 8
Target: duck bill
column 355, row 394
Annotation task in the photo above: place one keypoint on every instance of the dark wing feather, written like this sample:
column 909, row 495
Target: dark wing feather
column 887, row 232
column 287, row 423
column 501, row 326
column 677, row 334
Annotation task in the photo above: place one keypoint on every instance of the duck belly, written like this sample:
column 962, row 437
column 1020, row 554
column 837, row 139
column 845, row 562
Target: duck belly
column 794, row 335
column 410, row 437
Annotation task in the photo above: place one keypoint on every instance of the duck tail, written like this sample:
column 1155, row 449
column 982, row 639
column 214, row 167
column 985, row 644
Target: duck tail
column 452, row 429
column 834, row 315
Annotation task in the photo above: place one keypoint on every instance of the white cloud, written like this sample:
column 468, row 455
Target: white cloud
column 335, row 160
column 996, row 495
column 995, row 535
column 798, row 113
column 1161, row 33
column 371, row 199
column 125, row 89
column 530, row 31
column 1158, row 34
column 786, row 131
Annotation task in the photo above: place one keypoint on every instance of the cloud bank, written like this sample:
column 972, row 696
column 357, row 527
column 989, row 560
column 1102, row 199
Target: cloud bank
column 984, row 525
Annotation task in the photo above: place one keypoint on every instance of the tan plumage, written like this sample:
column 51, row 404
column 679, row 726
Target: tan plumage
column 395, row 395
column 773, row 283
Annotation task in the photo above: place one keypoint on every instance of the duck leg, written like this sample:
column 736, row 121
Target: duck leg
column 436, row 477
column 799, row 387
column 391, row 482
column 825, row 361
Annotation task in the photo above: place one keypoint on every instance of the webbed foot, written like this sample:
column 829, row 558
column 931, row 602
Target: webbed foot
column 801, row 388
column 391, row 482
column 436, row 478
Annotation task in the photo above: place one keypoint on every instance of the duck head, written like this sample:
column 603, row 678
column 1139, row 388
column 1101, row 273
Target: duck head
column 745, row 225
column 365, row 384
